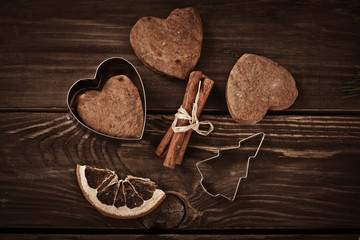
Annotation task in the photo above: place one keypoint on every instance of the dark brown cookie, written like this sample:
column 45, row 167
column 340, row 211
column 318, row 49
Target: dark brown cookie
column 171, row 46
column 116, row 110
column 257, row 84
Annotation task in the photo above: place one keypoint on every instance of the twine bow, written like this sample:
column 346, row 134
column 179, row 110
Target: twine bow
column 194, row 122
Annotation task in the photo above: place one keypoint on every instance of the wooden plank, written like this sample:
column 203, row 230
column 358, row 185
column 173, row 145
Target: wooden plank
column 46, row 47
column 177, row 236
column 305, row 175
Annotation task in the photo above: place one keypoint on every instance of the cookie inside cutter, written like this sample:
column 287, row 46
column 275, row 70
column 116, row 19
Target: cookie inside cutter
column 107, row 69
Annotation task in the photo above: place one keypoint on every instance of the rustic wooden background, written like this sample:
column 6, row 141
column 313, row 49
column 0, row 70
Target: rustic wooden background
column 305, row 179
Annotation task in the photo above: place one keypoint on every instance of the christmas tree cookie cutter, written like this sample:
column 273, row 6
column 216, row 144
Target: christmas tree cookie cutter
column 246, row 170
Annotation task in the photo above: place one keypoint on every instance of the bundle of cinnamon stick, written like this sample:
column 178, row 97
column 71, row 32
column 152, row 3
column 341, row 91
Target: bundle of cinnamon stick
column 173, row 145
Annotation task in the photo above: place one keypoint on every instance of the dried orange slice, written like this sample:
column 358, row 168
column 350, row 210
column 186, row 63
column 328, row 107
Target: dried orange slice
column 130, row 198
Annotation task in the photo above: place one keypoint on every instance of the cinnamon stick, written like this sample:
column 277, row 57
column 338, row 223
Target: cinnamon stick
column 180, row 141
column 164, row 144
column 205, row 90
column 189, row 98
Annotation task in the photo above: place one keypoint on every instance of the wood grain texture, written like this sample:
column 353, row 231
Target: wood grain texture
column 305, row 175
column 179, row 236
column 46, row 47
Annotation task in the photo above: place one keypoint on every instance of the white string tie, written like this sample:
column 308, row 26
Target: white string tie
column 194, row 122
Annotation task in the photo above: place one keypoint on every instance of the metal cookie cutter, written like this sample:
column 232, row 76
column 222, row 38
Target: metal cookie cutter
column 107, row 69
column 247, row 165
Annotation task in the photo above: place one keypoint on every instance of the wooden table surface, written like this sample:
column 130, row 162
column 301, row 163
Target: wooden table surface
column 304, row 183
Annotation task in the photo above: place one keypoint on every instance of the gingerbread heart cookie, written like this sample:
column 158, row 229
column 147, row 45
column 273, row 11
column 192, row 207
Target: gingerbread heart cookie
column 113, row 103
column 116, row 110
column 257, row 84
column 171, row 46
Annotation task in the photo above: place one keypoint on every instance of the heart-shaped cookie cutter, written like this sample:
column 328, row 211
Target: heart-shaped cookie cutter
column 246, row 170
column 107, row 69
